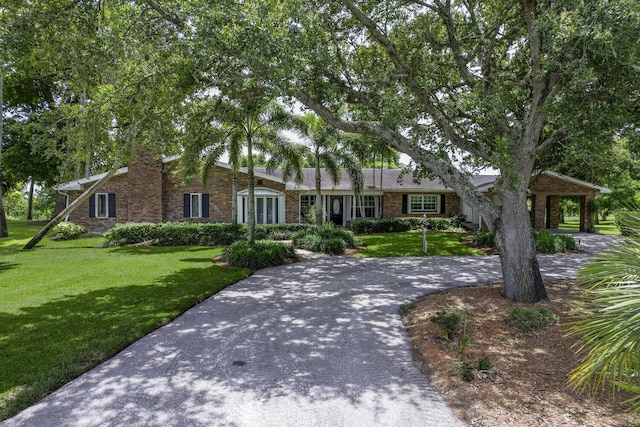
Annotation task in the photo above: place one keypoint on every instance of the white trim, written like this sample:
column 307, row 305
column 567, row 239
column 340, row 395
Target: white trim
column 97, row 205
column 437, row 203
column 199, row 213
column 266, row 194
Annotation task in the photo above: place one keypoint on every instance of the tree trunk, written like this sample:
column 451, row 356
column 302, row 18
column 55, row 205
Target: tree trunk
column 30, row 202
column 514, row 239
column 4, row 231
column 318, row 205
column 84, row 196
column 251, row 202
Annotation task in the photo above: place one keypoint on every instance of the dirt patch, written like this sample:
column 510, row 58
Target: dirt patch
column 527, row 382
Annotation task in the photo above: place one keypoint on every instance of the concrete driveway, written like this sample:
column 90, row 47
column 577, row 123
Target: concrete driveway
column 316, row 343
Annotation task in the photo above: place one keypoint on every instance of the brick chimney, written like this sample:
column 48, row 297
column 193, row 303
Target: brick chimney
column 145, row 187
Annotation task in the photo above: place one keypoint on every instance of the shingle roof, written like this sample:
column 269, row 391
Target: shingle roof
column 392, row 180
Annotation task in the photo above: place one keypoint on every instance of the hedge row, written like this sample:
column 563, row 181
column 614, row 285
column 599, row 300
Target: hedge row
column 192, row 233
column 391, row 225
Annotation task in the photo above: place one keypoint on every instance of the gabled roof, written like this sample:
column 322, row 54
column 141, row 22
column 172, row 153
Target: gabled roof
column 603, row 190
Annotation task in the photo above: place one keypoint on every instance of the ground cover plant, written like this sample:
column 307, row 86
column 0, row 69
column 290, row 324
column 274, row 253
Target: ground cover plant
column 68, row 305
column 410, row 244
column 330, row 240
column 260, row 254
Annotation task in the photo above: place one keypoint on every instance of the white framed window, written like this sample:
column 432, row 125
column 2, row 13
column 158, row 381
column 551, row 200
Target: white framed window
column 307, row 203
column 366, row 207
column 196, row 205
column 269, row 206
column 102, row 205
column 424, row 203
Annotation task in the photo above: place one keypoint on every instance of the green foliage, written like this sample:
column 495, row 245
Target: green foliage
column 627, row 222
column 484, row 364
column 280, row 231
column 384, row 225
column 484, row 238
column 68, row 230
column 529, row 319
column 129, row 233
column 173, row 234
column 607, row 326
column 450, row 322
column 466, row 371
column 548, row 243
column 261, row 254
column 330, row 240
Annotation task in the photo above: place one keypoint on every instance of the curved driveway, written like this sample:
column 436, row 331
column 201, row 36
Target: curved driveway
column 316, row 343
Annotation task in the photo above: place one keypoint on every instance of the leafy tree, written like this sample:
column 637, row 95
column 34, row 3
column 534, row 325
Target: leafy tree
column 452, row 83
column 327, row 150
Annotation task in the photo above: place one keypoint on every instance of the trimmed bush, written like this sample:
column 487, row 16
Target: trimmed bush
column 484, row 238
column 261, row 254
column 547, row 243
column 129, row 233
column 330, row 240
column 280, row 231
column 68, row 230
column 385, row 225
column 174, row 234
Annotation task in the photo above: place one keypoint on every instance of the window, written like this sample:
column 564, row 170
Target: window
column 102, row 205
column 307, row 202
column 424, row 203
column 196, row 205
column 269, row 206
column 368, row 208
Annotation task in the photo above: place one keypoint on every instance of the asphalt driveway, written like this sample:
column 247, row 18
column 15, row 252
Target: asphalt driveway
column 316, row 343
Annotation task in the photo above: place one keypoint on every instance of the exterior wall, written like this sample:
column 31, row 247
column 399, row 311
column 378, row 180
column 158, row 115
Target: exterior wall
column 219, row 189
column 545, row 198
column 145, row 189
column 118, row 185
column 392, row 205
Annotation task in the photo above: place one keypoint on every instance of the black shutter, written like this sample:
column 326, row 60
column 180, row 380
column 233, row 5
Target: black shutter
column 405, row 203
column 205, row 206
column 92, row 206
column 187, row 205
column 443, row 206
column 111, row 203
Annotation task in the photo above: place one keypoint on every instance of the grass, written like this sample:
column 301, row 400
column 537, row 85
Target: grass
column 605, row 227
column 67, row 306
column 410, row 244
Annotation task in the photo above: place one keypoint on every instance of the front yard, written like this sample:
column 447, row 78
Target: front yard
column 410, row 244
column 67, row 306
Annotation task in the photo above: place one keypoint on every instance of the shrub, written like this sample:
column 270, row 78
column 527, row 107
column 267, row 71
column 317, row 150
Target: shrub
column 386, row 225
column 176, row 234
column 547, row 243
column 528, row 319
column 129, row 233
column 212, row 234
column 484, row 238
column 261, row 254
column 451, row 323
column 330, row 240
column 68, row 230
column 466, row 371
column 280, row 231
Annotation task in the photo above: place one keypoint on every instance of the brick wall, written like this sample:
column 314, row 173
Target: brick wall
column 118, row 185
column 144, row 196
column 219, row 189
column 545, row 195
column 392, row 206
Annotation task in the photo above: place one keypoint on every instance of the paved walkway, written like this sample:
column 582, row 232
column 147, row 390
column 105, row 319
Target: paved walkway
column 317, row 343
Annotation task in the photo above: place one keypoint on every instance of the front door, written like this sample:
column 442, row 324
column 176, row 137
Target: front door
column 336, row 210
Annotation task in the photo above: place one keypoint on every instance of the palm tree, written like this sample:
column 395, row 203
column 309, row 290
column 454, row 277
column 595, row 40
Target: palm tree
column 251, row 122
column 328, row 151
column 608, row 326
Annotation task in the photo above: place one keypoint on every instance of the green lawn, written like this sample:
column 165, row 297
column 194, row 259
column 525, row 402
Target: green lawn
column 66, row 306
column 410, row 244
column 605, row 227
